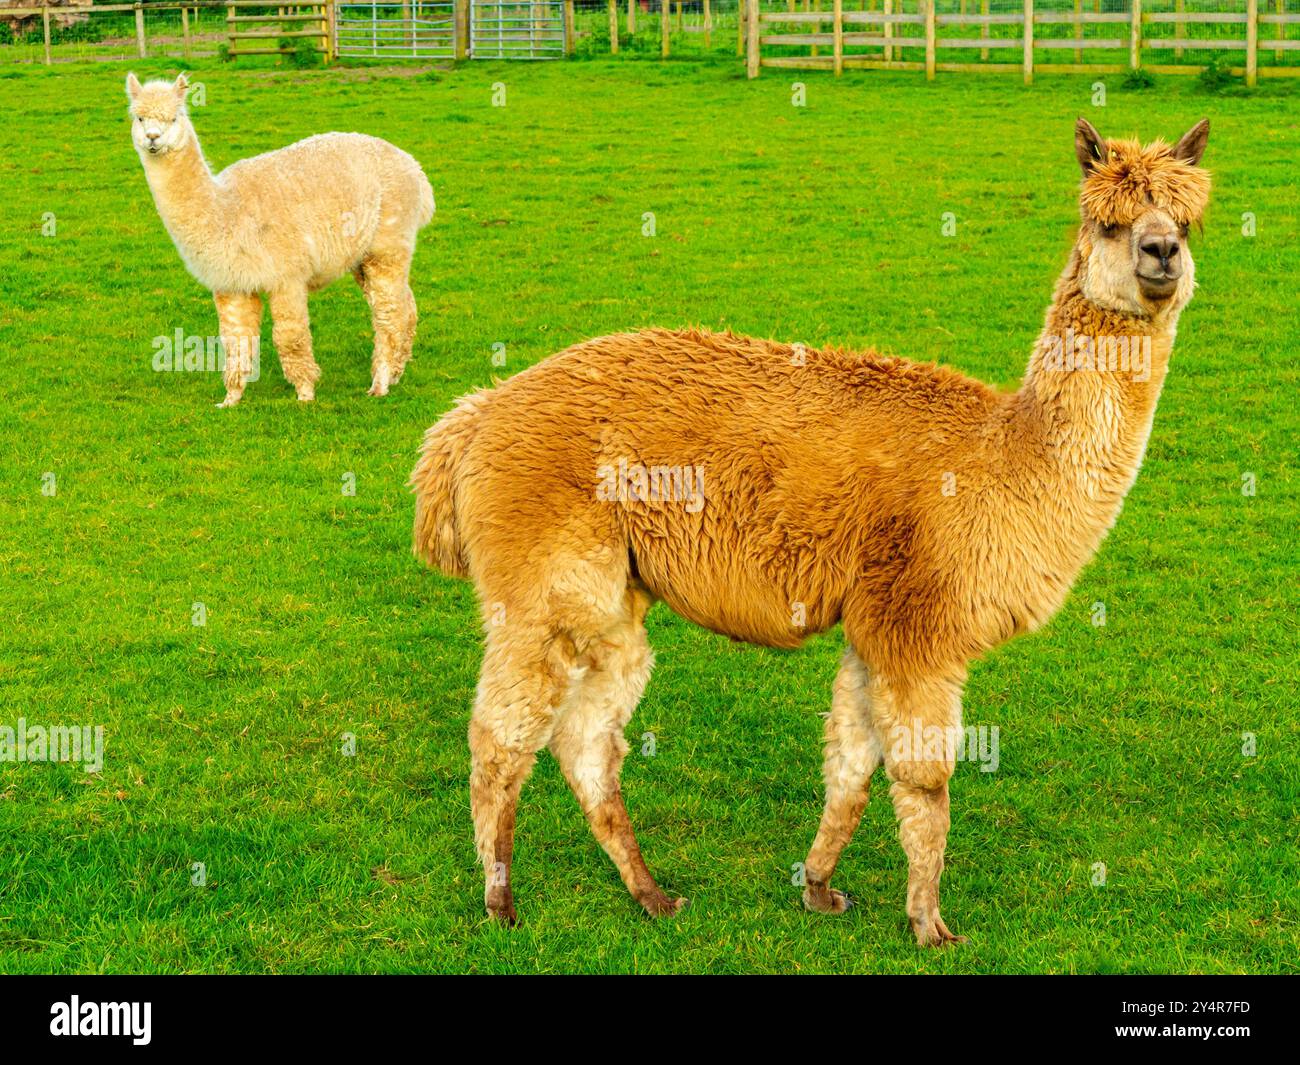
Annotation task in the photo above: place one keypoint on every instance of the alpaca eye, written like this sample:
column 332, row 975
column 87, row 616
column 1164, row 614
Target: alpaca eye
column 1109, row 231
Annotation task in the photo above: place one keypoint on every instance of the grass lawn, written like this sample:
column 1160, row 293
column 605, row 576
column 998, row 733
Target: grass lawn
column 1120, row 744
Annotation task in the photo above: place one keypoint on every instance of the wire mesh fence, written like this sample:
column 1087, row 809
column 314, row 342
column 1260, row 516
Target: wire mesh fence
column 693, row 29
column 1066, row 34
column 955, row 34
column 86, row 33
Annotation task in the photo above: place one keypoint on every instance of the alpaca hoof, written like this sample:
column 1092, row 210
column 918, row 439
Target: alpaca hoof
column 818, row 898
column 507, row 917
column 932, row 932
column 382, row 379
column 500, row 903
column 306, row 395
column 232, row 399
column 660, row 905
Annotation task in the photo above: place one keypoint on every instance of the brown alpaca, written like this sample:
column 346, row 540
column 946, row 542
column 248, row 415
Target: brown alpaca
column 768, row 491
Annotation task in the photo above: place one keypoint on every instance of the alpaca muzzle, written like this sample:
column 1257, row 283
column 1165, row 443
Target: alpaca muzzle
column 1159, row 264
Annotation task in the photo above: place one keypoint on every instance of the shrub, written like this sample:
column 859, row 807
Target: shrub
column 1216, row 77
column 1139, row 79
column 301, row 52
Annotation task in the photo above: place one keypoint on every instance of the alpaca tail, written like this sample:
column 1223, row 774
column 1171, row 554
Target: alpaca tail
column 427, row 206
column 436, row 481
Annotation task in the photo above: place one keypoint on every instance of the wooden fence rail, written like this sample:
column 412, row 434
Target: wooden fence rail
column 808, row 29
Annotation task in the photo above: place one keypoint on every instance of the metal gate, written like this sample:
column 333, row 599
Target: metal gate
column 423, row 29
column 517, row 29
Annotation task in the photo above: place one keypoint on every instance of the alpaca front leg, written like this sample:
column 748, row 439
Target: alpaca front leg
column 239, row 317
column 919, row 725
column 852, row 754
column 291, row 331
column 384, row 280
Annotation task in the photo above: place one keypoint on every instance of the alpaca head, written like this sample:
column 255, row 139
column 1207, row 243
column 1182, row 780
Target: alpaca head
column 1138, row 204
column 158, row 120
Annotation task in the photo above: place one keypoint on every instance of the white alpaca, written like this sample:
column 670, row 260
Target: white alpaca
column 286, row 223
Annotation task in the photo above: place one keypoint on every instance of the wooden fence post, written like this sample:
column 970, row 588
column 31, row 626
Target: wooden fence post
column 665, row 27
column 837, row 13
column 631, row 17
column 740, row 28
column 929, row 39
column 708, row 26
column 1029, row 42
column 1280, row 7
column 1178, row 29
column 889, row 31
column 185, row 32
column 1078, row 30
column 751, row 38
column 1135, row 37
column 613, row 27
column 569, row 34
column 984, row 28
column 460, row 28
column 139, row 30
column 1252, row 41
column 45, row 18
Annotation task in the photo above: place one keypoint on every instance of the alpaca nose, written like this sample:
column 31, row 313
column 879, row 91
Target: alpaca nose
column 1164, row 250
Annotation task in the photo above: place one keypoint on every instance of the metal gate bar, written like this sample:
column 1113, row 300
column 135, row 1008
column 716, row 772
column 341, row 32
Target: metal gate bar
column 425, row 30
column 517, row 29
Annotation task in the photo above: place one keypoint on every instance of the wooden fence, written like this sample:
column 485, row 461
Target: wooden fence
column 1008, row 36
column 242, row 34
column 261, row 34
column 893, row 39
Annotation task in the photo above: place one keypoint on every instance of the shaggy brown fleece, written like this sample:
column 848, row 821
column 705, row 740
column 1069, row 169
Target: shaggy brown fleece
column 768, row 491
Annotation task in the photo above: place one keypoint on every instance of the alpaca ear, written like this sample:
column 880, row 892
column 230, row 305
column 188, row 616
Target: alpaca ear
column 132, row 86
column 1089, row 145
column 1191, row 146
column 182, row 86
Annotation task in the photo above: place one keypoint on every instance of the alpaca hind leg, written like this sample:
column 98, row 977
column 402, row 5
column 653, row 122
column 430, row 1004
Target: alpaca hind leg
column 589, row 745
column 852, row 754
column 525, row 676
column 291, row 331
column 384, row 280
column 919, row 723
column 239, row 315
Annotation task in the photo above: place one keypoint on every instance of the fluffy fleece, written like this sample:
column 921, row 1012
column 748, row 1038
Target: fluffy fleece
column 285, row 224
column 932, row 515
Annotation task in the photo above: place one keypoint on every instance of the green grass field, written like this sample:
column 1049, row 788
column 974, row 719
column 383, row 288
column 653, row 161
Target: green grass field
column 1121, row 744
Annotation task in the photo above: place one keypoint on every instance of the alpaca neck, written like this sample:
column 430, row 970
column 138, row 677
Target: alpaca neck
column 184, row 190
column 1090, row 394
